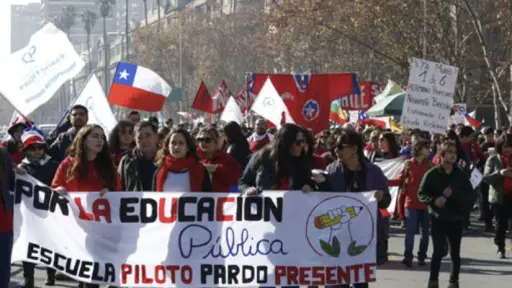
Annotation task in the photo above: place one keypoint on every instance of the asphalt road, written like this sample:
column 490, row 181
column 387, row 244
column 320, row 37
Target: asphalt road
column 480, row 265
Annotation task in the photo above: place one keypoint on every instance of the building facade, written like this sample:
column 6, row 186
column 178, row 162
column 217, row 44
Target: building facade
column 25, row 21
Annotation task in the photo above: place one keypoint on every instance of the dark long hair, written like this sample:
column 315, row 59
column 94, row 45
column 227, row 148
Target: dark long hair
column 279, row 152
column 164, row 151
column 310, row 140
column 234, row 135
column 113, row 138
column 394, row 147
column 103, row 163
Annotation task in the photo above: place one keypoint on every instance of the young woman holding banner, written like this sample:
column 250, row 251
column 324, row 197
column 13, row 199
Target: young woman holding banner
column 88, row 167
column 178, row 165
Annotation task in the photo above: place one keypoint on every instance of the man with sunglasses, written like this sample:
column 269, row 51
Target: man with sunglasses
column 41, row 166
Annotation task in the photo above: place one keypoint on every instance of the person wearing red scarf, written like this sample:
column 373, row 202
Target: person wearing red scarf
column 179, row 169
column 498, row 174
column 224, row 169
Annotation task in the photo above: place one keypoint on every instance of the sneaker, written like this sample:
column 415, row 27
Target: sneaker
column 29, row 283
column 50, row 281
column 433, row 284
column 501, row 253
column 421, row 262
column 453, row 285
column 407, row 263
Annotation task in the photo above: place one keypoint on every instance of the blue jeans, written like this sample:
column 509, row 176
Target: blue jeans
column 5, row 258
column 415, row 216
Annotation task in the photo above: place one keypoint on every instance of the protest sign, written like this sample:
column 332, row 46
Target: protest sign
column 429, row 97
column 197, row 239
column 37, row 71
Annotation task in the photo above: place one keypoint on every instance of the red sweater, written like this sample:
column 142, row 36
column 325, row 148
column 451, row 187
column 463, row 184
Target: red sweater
column 414, row 177
column 228, row 171
column 319, row 162
column 93, row 183
column 5, row 219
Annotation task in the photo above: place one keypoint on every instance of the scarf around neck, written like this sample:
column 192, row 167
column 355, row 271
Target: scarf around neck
column 173, row 165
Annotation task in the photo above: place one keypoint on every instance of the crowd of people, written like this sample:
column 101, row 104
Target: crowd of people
column 436, row 196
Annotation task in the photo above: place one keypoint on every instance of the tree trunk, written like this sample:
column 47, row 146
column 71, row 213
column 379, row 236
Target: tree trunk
column 146, row 12
column 106, row 60
column 496, row 107
column 127, row 31
column 89, row 52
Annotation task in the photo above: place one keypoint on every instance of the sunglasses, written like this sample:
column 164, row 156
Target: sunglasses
column 204, row 140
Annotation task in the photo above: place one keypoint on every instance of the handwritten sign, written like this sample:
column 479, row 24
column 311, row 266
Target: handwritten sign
column 429, row 97
column 177, row 239
column 476, row 178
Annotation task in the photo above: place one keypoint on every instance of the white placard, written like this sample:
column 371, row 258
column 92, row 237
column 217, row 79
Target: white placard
column 476, row 178
column 429, row 97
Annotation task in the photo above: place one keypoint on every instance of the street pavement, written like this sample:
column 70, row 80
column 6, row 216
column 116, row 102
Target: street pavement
column 480, row 265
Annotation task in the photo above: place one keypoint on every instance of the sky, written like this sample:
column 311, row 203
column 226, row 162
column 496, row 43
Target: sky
column 5, row 24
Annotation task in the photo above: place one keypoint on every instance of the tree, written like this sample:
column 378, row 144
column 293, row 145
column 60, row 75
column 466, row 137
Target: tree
column 89, row 19
column 67, row 18
column 145, row 12
column 105, row 8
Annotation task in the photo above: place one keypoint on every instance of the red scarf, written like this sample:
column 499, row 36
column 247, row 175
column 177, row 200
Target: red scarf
column 194, row 167
column 508, row 181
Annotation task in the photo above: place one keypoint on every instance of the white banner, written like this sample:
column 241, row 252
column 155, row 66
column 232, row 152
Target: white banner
column 391, row 169
column 429, row 98
column 93, row 97
column 33, row 74
column 198, row 239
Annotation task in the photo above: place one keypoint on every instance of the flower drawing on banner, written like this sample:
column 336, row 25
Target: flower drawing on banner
column 340, row 226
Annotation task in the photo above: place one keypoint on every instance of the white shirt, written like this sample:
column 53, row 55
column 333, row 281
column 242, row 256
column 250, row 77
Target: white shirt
column 177, row 182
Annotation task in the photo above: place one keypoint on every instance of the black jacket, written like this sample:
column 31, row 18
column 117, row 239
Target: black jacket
column 129, row 171
column 240, row 152
column 43, row 170
column 59, row 147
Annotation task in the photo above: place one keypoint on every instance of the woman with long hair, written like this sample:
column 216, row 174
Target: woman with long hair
column 223, row 168
column 120, row 140
column 88, row 166
column 6, row 216
column 179, row 168
column 317, row 162
column 388, row 147
column 279, row 166
column 238, row 147
column 352, row 172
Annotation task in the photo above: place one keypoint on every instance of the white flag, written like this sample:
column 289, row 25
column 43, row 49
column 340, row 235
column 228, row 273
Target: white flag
column 269, row 105
column 32, row 75
column 391, row 169
column 232, row 112
column 93, row 97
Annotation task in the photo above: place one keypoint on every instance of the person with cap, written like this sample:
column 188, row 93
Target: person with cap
column 14, row 144
column 41, row 166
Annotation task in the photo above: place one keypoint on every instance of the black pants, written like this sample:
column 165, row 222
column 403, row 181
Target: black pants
column 441, row 232
column 503, row 214
column 28, row 271
column 483, row 204
column 86, row 285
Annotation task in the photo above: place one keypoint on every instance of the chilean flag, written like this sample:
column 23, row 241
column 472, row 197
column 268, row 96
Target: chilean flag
column 138, row 88
column 365, row 120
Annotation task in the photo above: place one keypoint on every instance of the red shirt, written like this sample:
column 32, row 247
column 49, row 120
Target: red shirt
column 93, row 183
column 508, row 181
column 256, row 144
column 228, row 171
column 319, row 162
column 5, row 219
column 414, row 177
column 16, row 156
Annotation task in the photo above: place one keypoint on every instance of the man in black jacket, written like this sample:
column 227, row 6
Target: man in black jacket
column 137, row 166
column 78, row 117
column 42, row 167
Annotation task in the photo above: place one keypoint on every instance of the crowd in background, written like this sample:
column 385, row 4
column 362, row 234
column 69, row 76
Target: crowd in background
column 436, row 196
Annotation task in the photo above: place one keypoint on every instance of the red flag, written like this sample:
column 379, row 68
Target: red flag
column 220, row 97
column 308, row 97
column 244, row 98
column 203, row 101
